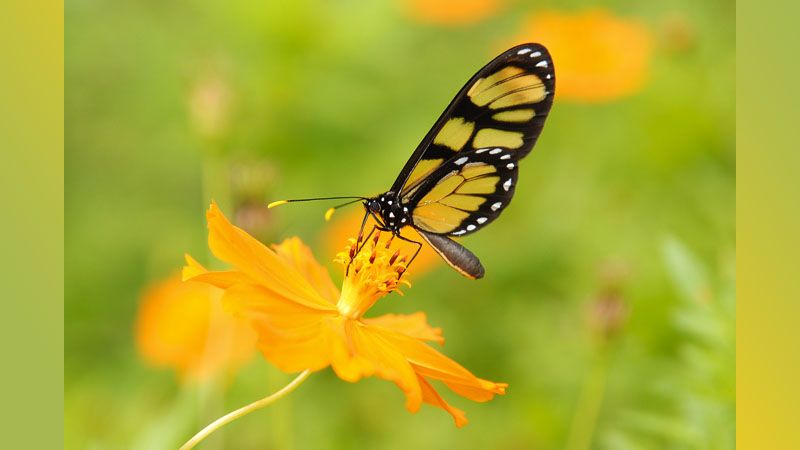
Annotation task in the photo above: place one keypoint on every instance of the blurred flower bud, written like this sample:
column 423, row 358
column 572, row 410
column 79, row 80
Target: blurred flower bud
column 252, row 179
column 608, row 314
column 608, row 311
column 679, row 34
column 210, row 102
column 254, row 217
column 250, row 183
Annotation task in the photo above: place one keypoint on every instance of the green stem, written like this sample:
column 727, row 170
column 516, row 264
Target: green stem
column 585, row 420
column 245, row 410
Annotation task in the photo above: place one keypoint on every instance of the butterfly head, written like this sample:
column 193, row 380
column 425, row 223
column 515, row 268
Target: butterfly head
column 389, row 209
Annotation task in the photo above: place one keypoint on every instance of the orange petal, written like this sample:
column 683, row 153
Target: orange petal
column 430, row 396
column 348, row 364
column 182, row 325
column 432, row 364
column 292, row 336
column 195, row 272
column 192, row 267
column 387, row 361
column 233, row 245
column 299, row 256
column 412, row 325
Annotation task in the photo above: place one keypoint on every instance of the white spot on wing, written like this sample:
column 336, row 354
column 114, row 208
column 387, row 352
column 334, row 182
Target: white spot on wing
column 505, row 157
column 507, row 184
column 482, row 220
column 542, row 63
column 471, row 227
column 536, row 54
column 389, row 202
column 496, row 206
column 495, row 151
column 548, row 76
column 461, row 160
column 459, row 232
column 391, row 215
column 480, row 150
column 510, row 166
column 523, row 51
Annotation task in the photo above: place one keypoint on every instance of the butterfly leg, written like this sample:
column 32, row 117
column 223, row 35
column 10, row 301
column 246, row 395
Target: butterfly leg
column 419, row 247
column 363, row 242
column 380, row 227
column 359, row 241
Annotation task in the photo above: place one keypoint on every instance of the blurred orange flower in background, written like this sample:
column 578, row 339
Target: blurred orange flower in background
column 452, row 12
column 598, row 56
column 305, row 323
column 182, row 325
column 345, row 226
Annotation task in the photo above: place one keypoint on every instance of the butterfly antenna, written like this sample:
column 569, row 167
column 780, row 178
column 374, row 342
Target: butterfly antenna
column 329, row 212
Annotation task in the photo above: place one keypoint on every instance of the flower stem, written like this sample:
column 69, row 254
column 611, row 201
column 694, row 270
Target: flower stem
column 243, row 411
column 585, row 419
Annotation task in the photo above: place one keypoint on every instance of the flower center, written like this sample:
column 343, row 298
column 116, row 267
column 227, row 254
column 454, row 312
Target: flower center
column 371, row 273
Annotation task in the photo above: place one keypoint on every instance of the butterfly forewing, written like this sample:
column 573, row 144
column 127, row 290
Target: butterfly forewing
column 504, row 105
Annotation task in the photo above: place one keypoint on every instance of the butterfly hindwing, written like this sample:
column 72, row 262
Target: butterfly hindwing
column 465, row 193
column 503, row 105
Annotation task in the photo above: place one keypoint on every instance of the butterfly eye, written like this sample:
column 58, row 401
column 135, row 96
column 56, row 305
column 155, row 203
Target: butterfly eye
column 374, row 206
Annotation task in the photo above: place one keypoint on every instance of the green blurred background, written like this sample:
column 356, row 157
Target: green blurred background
column 608, row 304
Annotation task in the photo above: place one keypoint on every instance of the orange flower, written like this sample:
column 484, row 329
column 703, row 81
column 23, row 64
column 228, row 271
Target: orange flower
column 598, row 56
column 452, row 12
column 304, row 323
column 347, row 224
column 182, row 325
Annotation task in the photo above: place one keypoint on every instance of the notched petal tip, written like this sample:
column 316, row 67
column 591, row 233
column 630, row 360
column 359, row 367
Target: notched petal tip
column 192, row 268
column 213, row 208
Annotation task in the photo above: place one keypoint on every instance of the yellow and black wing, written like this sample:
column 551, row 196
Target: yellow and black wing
column 504, row 105
column 463, row 174
column 462, row 195
column 465, row 193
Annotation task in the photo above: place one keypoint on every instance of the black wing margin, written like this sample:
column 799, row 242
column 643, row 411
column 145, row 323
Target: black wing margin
column 504, row 105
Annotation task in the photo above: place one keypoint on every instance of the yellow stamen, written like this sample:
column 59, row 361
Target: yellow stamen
column 329, row 213
column 374, row 272
column 277, row 203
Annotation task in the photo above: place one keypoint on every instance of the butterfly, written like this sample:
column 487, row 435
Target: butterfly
column 463, row 174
